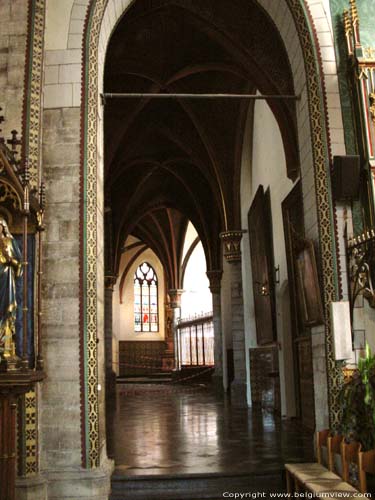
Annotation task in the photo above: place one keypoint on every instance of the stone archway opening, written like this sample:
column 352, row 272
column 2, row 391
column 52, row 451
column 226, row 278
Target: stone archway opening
column 218, row 188
column 169, row 156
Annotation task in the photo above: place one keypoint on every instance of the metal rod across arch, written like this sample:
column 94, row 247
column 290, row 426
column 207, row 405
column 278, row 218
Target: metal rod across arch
column 137, row 95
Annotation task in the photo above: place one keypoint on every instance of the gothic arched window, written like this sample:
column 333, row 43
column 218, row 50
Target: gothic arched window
column 146, row 299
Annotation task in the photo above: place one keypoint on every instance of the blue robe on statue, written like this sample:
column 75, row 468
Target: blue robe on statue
column 10, row 271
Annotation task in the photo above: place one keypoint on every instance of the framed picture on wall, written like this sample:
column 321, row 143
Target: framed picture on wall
column 309, row 296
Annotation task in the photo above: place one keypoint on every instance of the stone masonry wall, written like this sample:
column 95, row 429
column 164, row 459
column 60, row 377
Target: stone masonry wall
column 60, row 410
column 13, row 30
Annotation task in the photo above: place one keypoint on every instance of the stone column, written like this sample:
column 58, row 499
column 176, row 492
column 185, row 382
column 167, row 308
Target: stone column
column 108, row 336
column 232, row 253
column 110, row 374
column 168, row 356
column 175, row 304
column 215, row 287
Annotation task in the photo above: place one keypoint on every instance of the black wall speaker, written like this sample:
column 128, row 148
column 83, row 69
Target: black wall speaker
column 346, row 177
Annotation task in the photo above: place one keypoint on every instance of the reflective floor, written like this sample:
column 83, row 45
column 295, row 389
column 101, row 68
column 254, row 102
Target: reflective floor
column 161, row 429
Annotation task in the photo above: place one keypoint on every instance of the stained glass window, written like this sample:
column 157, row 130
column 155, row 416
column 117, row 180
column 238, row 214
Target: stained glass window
column 146, row 299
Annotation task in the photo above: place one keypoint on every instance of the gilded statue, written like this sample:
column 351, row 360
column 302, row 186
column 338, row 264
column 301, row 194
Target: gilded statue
column 10, row 271
column 372, row 106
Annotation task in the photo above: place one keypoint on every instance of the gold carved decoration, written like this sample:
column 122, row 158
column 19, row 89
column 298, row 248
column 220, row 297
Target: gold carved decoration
column 361, row 253
column 232, row 245
column 372, row 106
column 369, row 53
column 8, row 193
column 347, row 23
column 354, row 12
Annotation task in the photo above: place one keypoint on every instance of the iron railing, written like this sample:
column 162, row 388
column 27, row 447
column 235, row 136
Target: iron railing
column 196, row 340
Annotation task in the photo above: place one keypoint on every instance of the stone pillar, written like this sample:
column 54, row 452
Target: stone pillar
column 108, row 337
column 110, row 375
column 168, row 356
column 60, row 395
column 215, row 287
column 175, row 304
column 232, row 253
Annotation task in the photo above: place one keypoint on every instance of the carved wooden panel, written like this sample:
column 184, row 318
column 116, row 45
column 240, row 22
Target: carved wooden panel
column 264, row 377
column 306, row 382
column 261, row 246
column 292, row 208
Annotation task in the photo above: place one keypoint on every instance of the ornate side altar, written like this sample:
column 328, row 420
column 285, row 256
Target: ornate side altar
column 21, row 359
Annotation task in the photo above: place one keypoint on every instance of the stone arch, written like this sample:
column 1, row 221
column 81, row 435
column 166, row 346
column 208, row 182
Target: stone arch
column 294, row 24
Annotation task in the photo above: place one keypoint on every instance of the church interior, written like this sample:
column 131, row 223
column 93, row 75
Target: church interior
column 187, row 249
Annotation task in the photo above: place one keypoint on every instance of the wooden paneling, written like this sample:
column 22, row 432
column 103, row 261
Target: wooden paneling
column 140, row 357
column 8, row 408
column 260, row 233
column 264, row 377
column 292, row 208
column 306, row 382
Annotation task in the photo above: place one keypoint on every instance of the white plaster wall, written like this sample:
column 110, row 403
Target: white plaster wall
column 123, row 314
column 246, row 197
column 190, row 236
column 197, row 297
column 265, row 165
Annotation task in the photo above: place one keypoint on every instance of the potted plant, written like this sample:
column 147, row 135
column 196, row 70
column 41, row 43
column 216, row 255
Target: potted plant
column 358, row 403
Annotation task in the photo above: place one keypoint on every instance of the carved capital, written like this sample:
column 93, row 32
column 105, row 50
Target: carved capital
column 232, row 244
column 110, row 281
column 175, row 298
column 214, row 278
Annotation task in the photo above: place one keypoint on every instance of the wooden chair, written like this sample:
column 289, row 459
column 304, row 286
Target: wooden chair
column 333, row 448
column 337, row 486
column 349, row 454
column 318, row 479
column 298, row 474
column 366, row 464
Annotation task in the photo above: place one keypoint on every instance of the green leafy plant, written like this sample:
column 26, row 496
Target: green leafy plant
column 357, row 399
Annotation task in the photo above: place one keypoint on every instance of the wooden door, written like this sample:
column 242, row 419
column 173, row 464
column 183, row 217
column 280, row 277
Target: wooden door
column 261, row 249
column 292, row 208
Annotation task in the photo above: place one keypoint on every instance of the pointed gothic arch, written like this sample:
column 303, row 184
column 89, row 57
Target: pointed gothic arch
column 293, row 21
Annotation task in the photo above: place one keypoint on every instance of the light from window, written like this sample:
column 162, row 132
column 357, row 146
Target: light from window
column 146, row 299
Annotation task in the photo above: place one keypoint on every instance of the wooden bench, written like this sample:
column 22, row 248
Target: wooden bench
column 318, row 479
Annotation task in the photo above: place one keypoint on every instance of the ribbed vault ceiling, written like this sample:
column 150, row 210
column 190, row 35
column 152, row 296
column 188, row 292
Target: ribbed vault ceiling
column 167, row 161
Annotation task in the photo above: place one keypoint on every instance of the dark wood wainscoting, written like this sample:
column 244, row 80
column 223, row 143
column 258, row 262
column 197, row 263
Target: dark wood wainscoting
column 140, row 357
column 306, row 381
column 292, row 208
column 264, row 377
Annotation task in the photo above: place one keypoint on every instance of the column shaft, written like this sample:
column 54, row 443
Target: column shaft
column 232, row 253
column 238, row 328
column 108, row 317
column 218, row 337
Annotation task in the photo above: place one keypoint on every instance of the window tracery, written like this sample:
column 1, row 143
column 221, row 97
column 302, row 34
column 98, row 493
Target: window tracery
column 146, row 317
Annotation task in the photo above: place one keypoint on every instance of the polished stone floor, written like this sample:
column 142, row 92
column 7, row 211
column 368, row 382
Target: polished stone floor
column 169, row 429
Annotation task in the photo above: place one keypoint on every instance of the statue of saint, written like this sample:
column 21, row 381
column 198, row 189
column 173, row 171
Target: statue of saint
column 10, row 271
